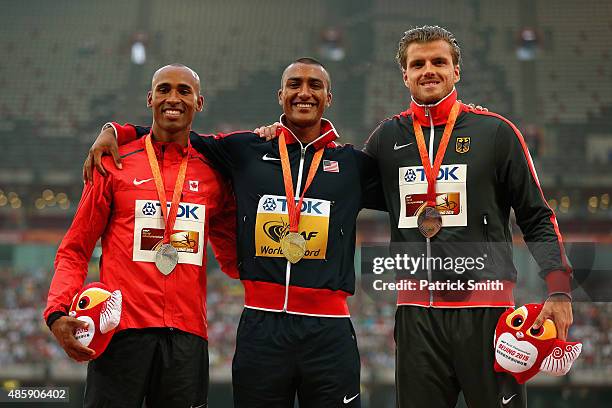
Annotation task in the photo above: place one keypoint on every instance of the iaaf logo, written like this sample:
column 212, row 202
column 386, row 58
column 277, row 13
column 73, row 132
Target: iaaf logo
column 188, row 211
column 277, row 204
column 446, row 173
column 277, row 229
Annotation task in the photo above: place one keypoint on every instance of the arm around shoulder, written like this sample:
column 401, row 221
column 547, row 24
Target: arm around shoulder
column 372, row 194
column 223, row 233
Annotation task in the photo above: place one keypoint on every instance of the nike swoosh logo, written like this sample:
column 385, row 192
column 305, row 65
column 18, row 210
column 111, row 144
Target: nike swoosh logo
column 266, row 157
column 396, row 147
column 346, row 401
column 505, row 401
column 139, row 182
column 199, row 406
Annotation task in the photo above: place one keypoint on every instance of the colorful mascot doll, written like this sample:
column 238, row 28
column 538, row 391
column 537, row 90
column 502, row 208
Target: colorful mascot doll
column 523, row 351
column 96, row 305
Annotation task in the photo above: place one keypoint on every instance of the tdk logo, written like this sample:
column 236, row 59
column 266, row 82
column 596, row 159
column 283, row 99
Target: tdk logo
column 308, row 207
column 446, row 173
column 269, row 204
column 410, row 175
column 280, row 204
column 184, row 210
column 149, row 209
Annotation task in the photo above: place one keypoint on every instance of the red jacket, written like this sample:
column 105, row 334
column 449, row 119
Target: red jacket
column 123, row 209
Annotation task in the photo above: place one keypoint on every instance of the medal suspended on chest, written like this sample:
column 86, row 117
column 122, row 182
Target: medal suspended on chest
column 293, row 247
column 293, row 244
column 429, row 220
column 166, row 257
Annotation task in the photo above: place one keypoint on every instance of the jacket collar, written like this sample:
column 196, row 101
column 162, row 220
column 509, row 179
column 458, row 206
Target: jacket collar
column 169, row 147
column 328, row 134
column 439, row 111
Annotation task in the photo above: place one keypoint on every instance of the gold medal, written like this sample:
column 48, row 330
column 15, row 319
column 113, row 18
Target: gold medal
column 429, row 222
column 293, row 247
column 166, row 258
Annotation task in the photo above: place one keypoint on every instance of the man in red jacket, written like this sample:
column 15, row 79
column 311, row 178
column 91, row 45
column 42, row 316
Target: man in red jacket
column 154, row 218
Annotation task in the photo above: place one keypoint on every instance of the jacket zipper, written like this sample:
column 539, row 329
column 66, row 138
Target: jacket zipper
column 485, row 228
column 161, row 169
column 431, row 147
column 297, row 194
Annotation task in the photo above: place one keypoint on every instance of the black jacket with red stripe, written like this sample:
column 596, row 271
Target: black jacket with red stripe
column 486, row 171
column 346, row 181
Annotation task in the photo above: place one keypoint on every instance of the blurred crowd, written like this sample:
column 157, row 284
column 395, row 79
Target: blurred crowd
column 24, row 338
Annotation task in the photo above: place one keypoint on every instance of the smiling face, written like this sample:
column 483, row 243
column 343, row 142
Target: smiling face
column 305, row 94
column 174, row 98
column 430, row 73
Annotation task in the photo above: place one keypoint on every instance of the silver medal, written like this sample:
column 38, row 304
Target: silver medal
column 166, row 259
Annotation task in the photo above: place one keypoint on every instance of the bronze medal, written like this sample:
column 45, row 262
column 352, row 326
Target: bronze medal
column 293, row 247
column 429, row 222
column 166, row 258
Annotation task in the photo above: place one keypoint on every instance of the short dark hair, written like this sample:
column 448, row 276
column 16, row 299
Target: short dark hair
column 178, row 65
column 309, row 61
column 426, row 34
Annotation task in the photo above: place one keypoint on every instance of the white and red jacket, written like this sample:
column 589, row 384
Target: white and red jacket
column 124, row 210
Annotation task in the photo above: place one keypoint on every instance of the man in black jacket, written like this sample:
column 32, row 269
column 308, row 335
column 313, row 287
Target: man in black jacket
column 297, row 267
column 450, row 176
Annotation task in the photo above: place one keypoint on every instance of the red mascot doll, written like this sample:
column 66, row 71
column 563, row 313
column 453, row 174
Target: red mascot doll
column 524, row 351
column 101, row 309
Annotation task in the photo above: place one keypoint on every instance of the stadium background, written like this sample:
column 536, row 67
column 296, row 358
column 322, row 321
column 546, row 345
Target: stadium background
column 68, row 66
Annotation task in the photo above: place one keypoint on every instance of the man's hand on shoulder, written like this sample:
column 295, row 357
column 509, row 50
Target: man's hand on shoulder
column 106, row 143
column 63, row 329
column 476, row 107
column 268, row 132
column 558, row 308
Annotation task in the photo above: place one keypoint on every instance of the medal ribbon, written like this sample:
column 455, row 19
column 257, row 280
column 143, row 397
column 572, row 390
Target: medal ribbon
column 169, row 219
column 432, row 173
column 292, row 209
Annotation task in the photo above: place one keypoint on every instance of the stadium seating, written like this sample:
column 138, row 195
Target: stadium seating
column 483, row 78
column 574, row 73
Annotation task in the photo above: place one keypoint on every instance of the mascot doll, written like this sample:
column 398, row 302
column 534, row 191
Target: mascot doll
column 524, row 351
column 96, row 305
